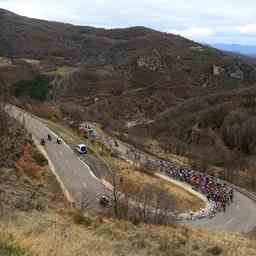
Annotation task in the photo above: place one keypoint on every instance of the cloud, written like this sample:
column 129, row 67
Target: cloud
column 249, row 29
column 194, row 32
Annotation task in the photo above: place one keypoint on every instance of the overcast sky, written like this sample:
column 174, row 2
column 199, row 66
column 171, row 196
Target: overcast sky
column 218, row 21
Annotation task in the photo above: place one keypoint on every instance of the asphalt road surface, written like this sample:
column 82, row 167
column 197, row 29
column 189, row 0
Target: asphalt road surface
column 82, row 184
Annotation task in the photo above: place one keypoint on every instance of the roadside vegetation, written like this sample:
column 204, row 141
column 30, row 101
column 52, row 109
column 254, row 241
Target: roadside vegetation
column 183, row 201
column 7, row 249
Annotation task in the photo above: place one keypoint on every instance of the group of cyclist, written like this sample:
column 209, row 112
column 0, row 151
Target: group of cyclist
column 49, row 138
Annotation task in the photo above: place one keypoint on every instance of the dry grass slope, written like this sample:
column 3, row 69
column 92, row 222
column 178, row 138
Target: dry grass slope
column 54, row 234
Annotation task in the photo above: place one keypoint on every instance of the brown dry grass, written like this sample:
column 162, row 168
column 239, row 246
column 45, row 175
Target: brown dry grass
column 184, row 201
column 30, row 162
column 54, row 234
column 45, row 110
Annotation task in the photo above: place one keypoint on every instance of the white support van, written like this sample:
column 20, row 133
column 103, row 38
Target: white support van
column 82, row 149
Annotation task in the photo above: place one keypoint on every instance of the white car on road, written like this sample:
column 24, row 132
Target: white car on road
column 82, row 149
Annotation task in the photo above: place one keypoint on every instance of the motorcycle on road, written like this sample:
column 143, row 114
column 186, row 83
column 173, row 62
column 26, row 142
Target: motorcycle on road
column 42, row 142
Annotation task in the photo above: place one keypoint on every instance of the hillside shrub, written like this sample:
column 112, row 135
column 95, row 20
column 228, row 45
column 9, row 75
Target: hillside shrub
column 12, row 138
column 36, row 89
column 8, row 250
column 238, row 131
column 27, row 164
column 81, row 219
column 40, row 159
column 216, row 250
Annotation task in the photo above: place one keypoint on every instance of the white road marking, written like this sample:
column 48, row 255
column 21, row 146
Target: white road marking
column 63, row 187
column 229, row 221
column 90, row 171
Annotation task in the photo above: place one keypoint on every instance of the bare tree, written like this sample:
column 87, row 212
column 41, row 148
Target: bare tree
column 116, row 193
column 3, row 100
column 164, row 205
column 150, row 204
column 145, row 202
column 233, row 163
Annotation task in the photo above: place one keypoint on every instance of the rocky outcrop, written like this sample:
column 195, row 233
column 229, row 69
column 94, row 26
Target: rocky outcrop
column 196, row 48
column 238, row 74
column 152, row 62
column 232, row 72
column 217, row 70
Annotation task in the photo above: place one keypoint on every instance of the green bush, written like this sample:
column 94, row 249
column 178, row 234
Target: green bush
column 81, row 219
column 39, row 158
column 215, row 251
column 8, row 250
column 37, row 88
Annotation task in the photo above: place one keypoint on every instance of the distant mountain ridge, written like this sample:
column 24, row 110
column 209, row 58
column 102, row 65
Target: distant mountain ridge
column 249, row 50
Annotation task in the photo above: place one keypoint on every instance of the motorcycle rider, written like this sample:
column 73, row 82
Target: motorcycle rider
column 49, row 137
column 42, row 141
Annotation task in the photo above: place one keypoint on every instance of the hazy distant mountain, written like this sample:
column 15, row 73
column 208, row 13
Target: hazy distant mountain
column 249, row 50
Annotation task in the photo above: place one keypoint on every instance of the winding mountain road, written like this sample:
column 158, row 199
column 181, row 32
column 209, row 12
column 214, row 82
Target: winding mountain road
column 76, row 177
column 79, row 181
